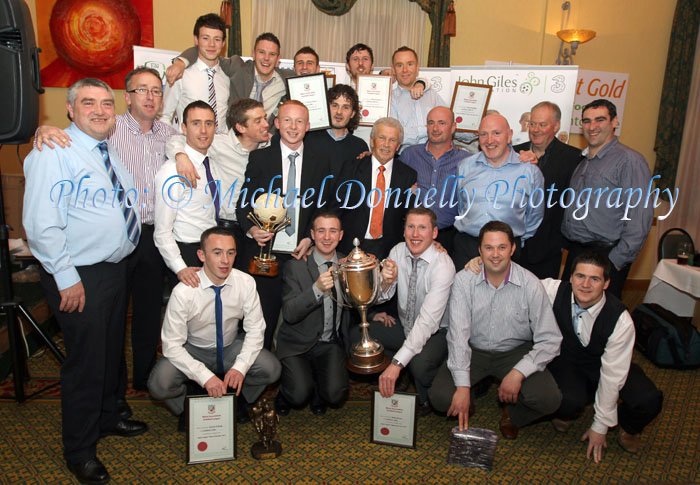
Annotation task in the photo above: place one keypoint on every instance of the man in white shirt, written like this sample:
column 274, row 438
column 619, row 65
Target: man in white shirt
column 182, row 213
column 595, row 364
column 200, row 333
column 425, row 277
column 203, row 80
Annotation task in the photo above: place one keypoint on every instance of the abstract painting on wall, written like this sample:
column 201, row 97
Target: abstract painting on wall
column 91, row 38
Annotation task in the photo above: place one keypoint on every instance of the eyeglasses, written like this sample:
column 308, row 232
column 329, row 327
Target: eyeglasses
column 143, row 91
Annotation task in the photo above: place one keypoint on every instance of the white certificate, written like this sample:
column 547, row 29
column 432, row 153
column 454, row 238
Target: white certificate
column 311, row 90
column 211, row 429
column 394, row 419
column 469, row 104
column 374, row 93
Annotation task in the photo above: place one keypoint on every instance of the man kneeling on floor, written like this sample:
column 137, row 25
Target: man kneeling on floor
column 200, row 333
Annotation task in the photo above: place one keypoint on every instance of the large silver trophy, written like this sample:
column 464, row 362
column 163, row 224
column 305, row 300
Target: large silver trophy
column 358, row 277
column 270, row 215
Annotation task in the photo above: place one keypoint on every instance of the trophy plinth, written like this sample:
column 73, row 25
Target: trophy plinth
column 271, row 216
column 265, row 421
column 358, row 277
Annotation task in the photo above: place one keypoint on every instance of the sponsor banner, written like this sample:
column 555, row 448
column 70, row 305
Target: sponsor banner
column 599, row 84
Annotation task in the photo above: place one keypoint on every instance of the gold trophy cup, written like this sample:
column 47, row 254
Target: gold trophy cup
column 269, row 215
column 358, row 278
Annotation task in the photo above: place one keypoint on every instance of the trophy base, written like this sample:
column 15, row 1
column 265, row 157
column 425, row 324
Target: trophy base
column 263, row 266
column 259, row 452
column 367, row 366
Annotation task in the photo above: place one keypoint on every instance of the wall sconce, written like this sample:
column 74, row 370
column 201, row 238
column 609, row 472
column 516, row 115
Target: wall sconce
column 574, row 37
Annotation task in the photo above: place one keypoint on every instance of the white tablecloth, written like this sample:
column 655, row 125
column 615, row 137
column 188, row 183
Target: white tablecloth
column 674, row 287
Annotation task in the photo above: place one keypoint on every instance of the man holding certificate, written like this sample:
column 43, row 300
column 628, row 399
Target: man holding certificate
column 200, row 334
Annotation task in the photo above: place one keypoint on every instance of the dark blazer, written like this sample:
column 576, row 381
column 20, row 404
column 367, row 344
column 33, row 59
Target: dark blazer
column 561, row 162
column 266, row 163
column 355, row 220
column 303, row 316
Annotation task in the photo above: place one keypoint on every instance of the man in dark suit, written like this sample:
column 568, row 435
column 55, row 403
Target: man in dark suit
column 378, row 224
column 557, row 161
column 291, row 169
column 309, row 340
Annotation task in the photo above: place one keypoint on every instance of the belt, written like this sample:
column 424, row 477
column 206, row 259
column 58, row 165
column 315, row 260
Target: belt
column 228, row 224
column 596, row 244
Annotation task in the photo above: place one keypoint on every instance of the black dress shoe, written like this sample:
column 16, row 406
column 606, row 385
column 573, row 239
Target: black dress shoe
column 318, row 409
column 126, row 427
column 124, row 409
column 91, row 471
column 182, row 422
column 243, row 411
column 281, row 405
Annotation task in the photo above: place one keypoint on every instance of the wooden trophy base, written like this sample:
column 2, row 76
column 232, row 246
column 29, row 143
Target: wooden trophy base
column 259, row 452
column 372, row 367
column 263, row 266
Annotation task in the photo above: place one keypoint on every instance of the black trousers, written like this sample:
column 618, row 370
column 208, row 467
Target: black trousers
column 144, row 284
column 94, row 340
column 548, row 267
column 617, row 277
column 641, row 400
column 188, row 251
column 466, row 247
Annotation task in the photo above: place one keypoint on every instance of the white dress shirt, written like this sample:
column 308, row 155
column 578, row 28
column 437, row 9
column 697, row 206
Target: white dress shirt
column 388, row 166
column 272, row 93
column 615, row 362
column 182, row 213
column 436, row 273
column 193, row 86
column 190, row 317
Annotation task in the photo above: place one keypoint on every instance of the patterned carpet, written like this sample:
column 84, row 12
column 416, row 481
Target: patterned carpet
column 335, row 448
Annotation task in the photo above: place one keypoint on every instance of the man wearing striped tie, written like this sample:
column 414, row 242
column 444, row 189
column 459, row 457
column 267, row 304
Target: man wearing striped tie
column 204, row 80
column 81, row 225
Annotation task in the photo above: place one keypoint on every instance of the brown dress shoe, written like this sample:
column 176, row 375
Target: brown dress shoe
column 561, row 425
column 508, row 429
column 629, row 442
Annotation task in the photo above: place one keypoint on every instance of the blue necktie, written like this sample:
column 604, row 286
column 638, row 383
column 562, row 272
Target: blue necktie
column 577, row 313
column 212, row 188
column 133, row 231
column 219, row 311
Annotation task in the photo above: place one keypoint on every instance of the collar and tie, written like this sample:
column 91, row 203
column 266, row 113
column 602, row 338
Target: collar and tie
column 259, row 86
column 213, row 188
column 577, row 312
column 212, row 92
column 375, row 227
column 291, row 182
column 219, row 312
column 334, row 300
column 133, row 231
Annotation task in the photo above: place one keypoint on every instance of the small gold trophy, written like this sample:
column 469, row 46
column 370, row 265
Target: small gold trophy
column 269, row 215
column 358, row 277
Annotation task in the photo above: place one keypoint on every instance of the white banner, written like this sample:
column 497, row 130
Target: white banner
column 595, row 85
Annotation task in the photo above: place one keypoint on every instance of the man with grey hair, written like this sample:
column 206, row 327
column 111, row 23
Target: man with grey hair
column 81, row 225
column 542, row 252
column 372, row 194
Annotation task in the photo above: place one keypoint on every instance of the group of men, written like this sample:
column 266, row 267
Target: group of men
column 125, row 200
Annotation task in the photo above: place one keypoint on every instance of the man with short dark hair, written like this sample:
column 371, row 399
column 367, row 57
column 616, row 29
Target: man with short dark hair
column 595, row 363
column 309, row 341
column 543, row 251
column 201, row 337
column 82, row 244
column 306, row 61
column 501, row 325
column 613, row 230
column 204, row 79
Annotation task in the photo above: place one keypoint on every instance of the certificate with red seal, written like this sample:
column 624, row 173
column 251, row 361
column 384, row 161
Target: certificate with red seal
column 394, row 419
column 211, row 428
column 374, row 93
column 469, row 104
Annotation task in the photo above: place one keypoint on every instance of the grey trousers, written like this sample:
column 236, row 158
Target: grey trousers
column 539, row 394
column 167, row 383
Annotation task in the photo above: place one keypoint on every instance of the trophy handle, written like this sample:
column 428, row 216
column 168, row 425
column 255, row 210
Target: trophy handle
column 335, row 273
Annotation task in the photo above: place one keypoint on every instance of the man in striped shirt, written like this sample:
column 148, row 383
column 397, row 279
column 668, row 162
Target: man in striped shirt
column 140, row 141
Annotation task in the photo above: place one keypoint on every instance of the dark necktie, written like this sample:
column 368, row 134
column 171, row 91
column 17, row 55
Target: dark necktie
column 335, row 305
column 133, row 231
column 212, row 92
column 219, row 311
column 213, row 189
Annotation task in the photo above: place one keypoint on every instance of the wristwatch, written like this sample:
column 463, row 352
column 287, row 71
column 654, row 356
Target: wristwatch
column 396, row 362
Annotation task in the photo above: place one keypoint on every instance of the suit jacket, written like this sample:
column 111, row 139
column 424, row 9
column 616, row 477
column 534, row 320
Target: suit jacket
column 266, row 163
column 355, row 220
column 562, row 160
column 303, row 316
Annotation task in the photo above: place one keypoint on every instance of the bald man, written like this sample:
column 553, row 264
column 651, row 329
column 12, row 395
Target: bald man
column 494, row 185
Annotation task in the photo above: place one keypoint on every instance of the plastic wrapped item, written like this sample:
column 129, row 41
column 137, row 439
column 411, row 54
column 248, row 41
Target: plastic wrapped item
column 473, row 447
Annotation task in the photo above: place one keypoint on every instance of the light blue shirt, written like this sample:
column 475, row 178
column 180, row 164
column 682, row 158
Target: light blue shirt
column 504, row 193
column 69, row 215
column 413, row 113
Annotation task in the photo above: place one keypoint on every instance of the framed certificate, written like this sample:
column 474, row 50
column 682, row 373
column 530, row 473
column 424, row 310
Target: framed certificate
column 211, row 428
column 374, row 93
column 394, row 419
column 469, row 104
column 311, row 90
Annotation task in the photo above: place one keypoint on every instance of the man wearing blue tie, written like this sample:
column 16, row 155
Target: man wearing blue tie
column 201, row 339
column 81, row 225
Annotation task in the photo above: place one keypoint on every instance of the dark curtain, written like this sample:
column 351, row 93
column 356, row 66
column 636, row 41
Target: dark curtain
column 676, row 90
column 439, row 50
column 334, row 7
column 234, row 32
